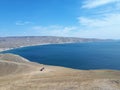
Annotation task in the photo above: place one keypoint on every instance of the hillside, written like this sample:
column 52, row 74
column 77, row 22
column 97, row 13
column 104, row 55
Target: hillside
column 14, row 42
column 17, row 73
column 13, row 64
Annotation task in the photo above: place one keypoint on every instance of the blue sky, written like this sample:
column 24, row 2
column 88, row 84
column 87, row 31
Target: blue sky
column 68, row 18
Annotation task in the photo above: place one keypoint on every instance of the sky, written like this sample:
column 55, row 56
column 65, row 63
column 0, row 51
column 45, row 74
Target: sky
column 67, row 18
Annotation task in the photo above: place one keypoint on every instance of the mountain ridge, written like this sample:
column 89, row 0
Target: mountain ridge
column 7, row 43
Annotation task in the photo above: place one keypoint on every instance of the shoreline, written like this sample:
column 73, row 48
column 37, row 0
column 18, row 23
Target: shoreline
column 29, row 45
column 5, row 49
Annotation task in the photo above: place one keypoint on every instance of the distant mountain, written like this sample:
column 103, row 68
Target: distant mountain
column 14, row 42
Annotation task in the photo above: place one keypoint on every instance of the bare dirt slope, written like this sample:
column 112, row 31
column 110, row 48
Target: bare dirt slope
column 13, row 64
column 17, row 73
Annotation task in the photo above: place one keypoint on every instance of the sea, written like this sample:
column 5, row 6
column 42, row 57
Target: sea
column 84, row 56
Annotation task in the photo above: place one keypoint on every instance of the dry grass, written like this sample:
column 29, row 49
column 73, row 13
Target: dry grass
column 26, row 76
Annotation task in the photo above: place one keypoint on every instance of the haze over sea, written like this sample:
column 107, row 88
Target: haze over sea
column 85, row 56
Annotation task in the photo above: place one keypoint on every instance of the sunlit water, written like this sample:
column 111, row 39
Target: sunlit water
column 95, row 55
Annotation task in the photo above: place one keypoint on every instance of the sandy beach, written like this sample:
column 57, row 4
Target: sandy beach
column 4, row 49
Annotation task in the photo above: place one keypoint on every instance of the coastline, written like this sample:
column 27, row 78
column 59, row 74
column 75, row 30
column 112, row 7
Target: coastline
column 5, row 49
column 24, row 46
column 29, row 76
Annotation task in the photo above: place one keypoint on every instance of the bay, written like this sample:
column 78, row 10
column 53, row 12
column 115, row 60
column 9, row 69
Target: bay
column 84, row 56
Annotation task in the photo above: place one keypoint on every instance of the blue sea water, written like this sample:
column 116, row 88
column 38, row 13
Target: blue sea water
column 85, row 56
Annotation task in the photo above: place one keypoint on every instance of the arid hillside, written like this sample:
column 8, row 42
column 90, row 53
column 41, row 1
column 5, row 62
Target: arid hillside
column 17, row 73
column 15, row 42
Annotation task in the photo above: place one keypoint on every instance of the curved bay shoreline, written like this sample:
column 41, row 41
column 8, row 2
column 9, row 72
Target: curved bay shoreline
column 17, row 74
column 5, row 49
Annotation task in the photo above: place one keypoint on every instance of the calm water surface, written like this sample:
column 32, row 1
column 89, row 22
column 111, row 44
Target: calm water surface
column 95, row 55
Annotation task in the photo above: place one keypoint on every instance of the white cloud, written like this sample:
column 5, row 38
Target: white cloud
column 97, row 3
column 55, row 30
column 107, row 20
column 102, row 23
column 20, row 23
column 105, row 27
